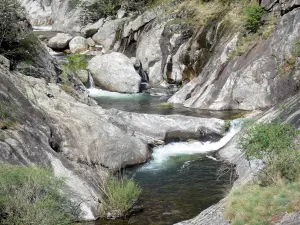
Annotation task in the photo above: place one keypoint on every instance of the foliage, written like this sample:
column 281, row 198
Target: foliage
column 226, row 126
column 99, row 9
column 75, row 62
column 120, row 195
column 7, row 120
column 29, row 195
column 10, row 11
column 253, row 15
column 254, row 204
column 274, row 144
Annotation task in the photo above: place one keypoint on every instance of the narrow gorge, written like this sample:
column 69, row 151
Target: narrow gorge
column 149, row 112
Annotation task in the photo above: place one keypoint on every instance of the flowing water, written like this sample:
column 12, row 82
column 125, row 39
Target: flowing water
column 180, row 181
column 183, row 178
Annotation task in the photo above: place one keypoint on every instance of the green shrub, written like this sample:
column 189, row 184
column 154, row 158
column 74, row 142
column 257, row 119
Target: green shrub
column 253, row 15
column 274, row 144
column 253, row 204
column 75, row 62
column 99, row 9
column 120, row 196
column 32, row 196
column 10, row 11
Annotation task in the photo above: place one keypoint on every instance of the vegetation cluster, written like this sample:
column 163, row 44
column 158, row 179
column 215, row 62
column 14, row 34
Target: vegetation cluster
column 33, row 196
column 276, row 189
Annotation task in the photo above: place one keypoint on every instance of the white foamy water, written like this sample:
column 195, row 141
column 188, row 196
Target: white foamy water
column 163, row 153
column 95, row 92
column 42, row 28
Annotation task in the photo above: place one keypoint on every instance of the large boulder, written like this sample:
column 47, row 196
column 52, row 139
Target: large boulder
column 78, row 44
column 92, row 28
column 109, row 33
column 115, row 72
column 60, row 41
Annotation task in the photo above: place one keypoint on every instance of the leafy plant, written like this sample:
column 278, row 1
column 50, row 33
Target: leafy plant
column 75, row 62
column 30, row 195
column 253, row 15
column 120, row 195
column 274, row 144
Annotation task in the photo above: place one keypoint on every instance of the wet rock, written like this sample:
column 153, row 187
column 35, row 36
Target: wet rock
column 78, row 44
column 60, row 41
column 115, row 72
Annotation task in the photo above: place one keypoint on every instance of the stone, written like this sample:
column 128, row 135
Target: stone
column 60, row 41
column 78, row 44
column 90, row 42
column 106, row 34
column 4, row 61
column 115, row 72
column 249, row 82
column 139, row 22
column 92, row 28
column 121, row 13
column 155, row 75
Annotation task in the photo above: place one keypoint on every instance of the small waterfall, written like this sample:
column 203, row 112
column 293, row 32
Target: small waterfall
column 163, row 153
column 91, row 81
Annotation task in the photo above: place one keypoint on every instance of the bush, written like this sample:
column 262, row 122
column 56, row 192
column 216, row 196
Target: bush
column 75, row 62
column 90, row 13
column 29, row 195
column 10, row 11
column 274, row 144
column 253, row 15
column 254, row 204
column 120, row 196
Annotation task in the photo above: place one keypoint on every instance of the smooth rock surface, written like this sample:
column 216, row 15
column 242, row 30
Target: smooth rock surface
column 115, row 72
column 60, row 41
column 92, row 28
column 78, row 44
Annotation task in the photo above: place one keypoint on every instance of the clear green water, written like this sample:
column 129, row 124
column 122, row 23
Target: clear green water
column 145, row 103
column 177, row 190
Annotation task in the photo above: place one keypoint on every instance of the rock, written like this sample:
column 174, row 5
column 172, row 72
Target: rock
column 290, row 219
column 92, row 28
column 78, row 44
column 148, row 50
column 155, row 75
column 4, row 61
column 42, row 37
column 60, row 41
column 62, row 15
column 83, row 75
column 121, row 13
column 139, row 22
column 90, row 42
column 115, row 72
column 107, row 34
column 251, row 81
